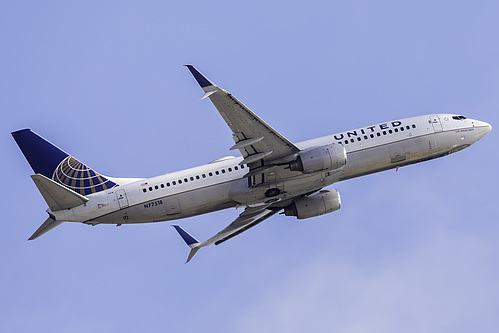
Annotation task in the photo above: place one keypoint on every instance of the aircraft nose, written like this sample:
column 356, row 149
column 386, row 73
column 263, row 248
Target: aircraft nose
column 488, row 128
column 484, row 128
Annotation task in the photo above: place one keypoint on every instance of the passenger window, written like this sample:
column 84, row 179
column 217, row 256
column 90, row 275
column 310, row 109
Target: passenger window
column 390, row 131
column 396, row 130
column 150, row 188
column 402, row 129
column 235, row 168
column 203, row 175
column 378, row 134
column 185, row 180
column 413, row 126
column 358, row 139
column 211, row 174
column 180, row 181
column 365, row 137
column 167, row 184
column 223, row 170
column 408, row 127
column 242, row 166
column 217, row 173
column 197, row 176
column 372, row 136
column 162, row 185
column 192, row 178
column 174, row 183
column 144, row 190
column 156, row 187
column 346, row 141
column 230, row 169
column 384, row 132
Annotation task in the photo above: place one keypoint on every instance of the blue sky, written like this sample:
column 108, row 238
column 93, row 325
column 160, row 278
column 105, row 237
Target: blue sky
column 409, row 251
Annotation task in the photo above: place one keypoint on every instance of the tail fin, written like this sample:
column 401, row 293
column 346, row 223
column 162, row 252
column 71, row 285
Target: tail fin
column 54, row 163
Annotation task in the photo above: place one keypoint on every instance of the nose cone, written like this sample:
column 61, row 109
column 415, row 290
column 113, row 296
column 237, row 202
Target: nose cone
column 488, row 128
column 483, row 128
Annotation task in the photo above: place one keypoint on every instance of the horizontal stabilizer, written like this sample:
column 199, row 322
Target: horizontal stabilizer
column 57, row 196
column 48, row 225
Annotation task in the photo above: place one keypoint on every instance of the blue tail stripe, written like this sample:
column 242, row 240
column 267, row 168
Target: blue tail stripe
column 42, row 156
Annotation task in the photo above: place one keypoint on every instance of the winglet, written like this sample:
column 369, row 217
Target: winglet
column 202, row 80
column 189, row 240
column 208, row 86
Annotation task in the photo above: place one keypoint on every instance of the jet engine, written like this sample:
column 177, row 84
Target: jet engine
column 324, row 202
column 324, row 158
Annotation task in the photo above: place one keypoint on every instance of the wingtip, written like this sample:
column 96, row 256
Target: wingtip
column 189, row 240
column 200, row 78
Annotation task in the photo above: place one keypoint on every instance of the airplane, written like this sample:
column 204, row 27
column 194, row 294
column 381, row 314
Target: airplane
column 272, row 174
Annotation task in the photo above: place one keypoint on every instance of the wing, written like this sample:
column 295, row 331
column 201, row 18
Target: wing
column 257, row 141
column 247, row 219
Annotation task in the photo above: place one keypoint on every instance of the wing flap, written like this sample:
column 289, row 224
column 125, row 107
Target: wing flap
column 251, row 217
column 246, row 125
column 255, row 139
column 246, row 220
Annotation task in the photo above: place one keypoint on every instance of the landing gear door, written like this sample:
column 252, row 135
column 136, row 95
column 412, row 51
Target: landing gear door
column 437, row 125
column 122, row 199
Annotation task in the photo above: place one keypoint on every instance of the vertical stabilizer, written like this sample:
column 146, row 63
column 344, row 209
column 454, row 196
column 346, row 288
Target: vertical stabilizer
column 54, row 163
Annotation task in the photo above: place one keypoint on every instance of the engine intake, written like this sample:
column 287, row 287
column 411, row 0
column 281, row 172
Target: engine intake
column 324, row 202
column 325, row 158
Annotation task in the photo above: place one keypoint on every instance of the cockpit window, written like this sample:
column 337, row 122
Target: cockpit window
column 459, row 117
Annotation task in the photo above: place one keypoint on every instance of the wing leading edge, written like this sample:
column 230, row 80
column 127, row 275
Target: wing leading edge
column 262, row 148
column 257, row 141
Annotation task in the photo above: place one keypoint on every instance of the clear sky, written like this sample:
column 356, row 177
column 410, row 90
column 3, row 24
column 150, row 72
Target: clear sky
column 410, row 251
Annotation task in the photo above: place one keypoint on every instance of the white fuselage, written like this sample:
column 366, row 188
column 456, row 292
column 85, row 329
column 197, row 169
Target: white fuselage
column 221, row 184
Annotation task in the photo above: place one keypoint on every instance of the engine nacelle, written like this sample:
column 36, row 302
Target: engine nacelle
column 324, row 202
column 325, row 158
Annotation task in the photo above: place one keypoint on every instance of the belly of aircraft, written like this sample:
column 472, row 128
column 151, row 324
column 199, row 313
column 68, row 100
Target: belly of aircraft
column 401, row 153
column 172, row 207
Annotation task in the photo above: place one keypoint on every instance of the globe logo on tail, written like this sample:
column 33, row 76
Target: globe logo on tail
column 80, row 178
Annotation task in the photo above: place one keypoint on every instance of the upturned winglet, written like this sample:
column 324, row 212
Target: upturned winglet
column 208, row 87
column 189, row 240
column 202, row 80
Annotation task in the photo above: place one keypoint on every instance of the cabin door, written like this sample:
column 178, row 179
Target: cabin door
column 122, row 199
column 437, row 125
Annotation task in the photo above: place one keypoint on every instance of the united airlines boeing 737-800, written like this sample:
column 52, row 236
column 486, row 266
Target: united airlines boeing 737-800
column 272, row 175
